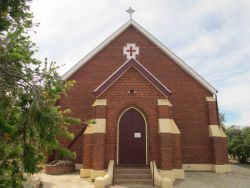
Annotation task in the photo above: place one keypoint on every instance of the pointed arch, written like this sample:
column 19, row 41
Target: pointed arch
column 118, row 132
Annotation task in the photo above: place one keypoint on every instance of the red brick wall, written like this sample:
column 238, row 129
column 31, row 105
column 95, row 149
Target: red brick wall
column 56, row 170
column 177, row 155
column 118, row 100
column 170, row 151
column 165, row 112
column 88, row 151
column 166, row 151
column 219, row 150
column 212, row 111
column 98, row 151
column 188, row 96
column 100, row 112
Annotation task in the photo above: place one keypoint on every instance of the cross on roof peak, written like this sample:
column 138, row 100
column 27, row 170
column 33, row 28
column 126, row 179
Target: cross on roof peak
column 130, row 11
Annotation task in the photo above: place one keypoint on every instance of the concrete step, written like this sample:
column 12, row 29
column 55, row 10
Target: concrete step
column 132, row 166
column 139, row 175
column 131, row 186
column 133, row 181
column 132, row 176
column 131, row 171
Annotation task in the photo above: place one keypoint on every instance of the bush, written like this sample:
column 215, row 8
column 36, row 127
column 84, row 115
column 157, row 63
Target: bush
column 239, row 143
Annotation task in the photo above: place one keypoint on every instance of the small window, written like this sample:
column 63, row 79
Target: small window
column 132, row 91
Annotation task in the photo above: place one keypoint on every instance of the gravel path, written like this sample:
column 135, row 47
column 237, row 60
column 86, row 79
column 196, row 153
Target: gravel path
column 239, row 178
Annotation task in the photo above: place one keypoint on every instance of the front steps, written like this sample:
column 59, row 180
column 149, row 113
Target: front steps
column 133, row 176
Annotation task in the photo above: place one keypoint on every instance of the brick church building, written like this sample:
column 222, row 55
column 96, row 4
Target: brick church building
column 148, row 106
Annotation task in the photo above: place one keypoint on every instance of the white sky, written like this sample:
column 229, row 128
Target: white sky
column 213, row 37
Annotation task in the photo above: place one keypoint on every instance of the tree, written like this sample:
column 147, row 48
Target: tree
column 239, row 142
column 30, row 122
column 222, row 120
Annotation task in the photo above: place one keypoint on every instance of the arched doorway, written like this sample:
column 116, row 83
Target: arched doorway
column 132, row 137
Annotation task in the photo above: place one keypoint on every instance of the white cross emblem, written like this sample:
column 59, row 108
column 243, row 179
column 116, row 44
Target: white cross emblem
column 131, row 50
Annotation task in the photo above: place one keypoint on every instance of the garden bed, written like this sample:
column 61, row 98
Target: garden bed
column 59, row 167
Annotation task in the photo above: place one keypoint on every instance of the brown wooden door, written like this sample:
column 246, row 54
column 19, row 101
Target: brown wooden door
column 132, row 138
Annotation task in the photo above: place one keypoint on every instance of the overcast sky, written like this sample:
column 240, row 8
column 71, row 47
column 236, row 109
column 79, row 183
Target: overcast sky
column 213, row 37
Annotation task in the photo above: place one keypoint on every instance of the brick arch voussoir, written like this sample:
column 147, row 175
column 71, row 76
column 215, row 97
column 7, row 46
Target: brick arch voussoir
column 134, row 104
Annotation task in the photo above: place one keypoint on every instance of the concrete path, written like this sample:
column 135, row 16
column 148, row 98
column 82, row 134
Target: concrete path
column 62, row 181
column 132, row 186
column 239, row 178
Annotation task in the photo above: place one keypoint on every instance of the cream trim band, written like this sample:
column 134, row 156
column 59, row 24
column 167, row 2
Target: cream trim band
column 173, row 174
column 168, row 126
column 210, row 99
column 164, row 102
column 89, row 129
column 222, row 168
column 215, row 131
column 85, row 172
column 98, row 127
column 207, row 167
column 97, row 173
column 100, row 102
column 197, row 167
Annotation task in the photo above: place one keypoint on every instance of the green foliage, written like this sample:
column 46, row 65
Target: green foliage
column 90, row 122
column 222, row 120
column 30, row 120
column 13, row 13
column 239, row 143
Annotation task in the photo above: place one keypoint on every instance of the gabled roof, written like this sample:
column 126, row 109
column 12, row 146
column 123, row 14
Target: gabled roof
column 122, row 69
column 167, row 51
